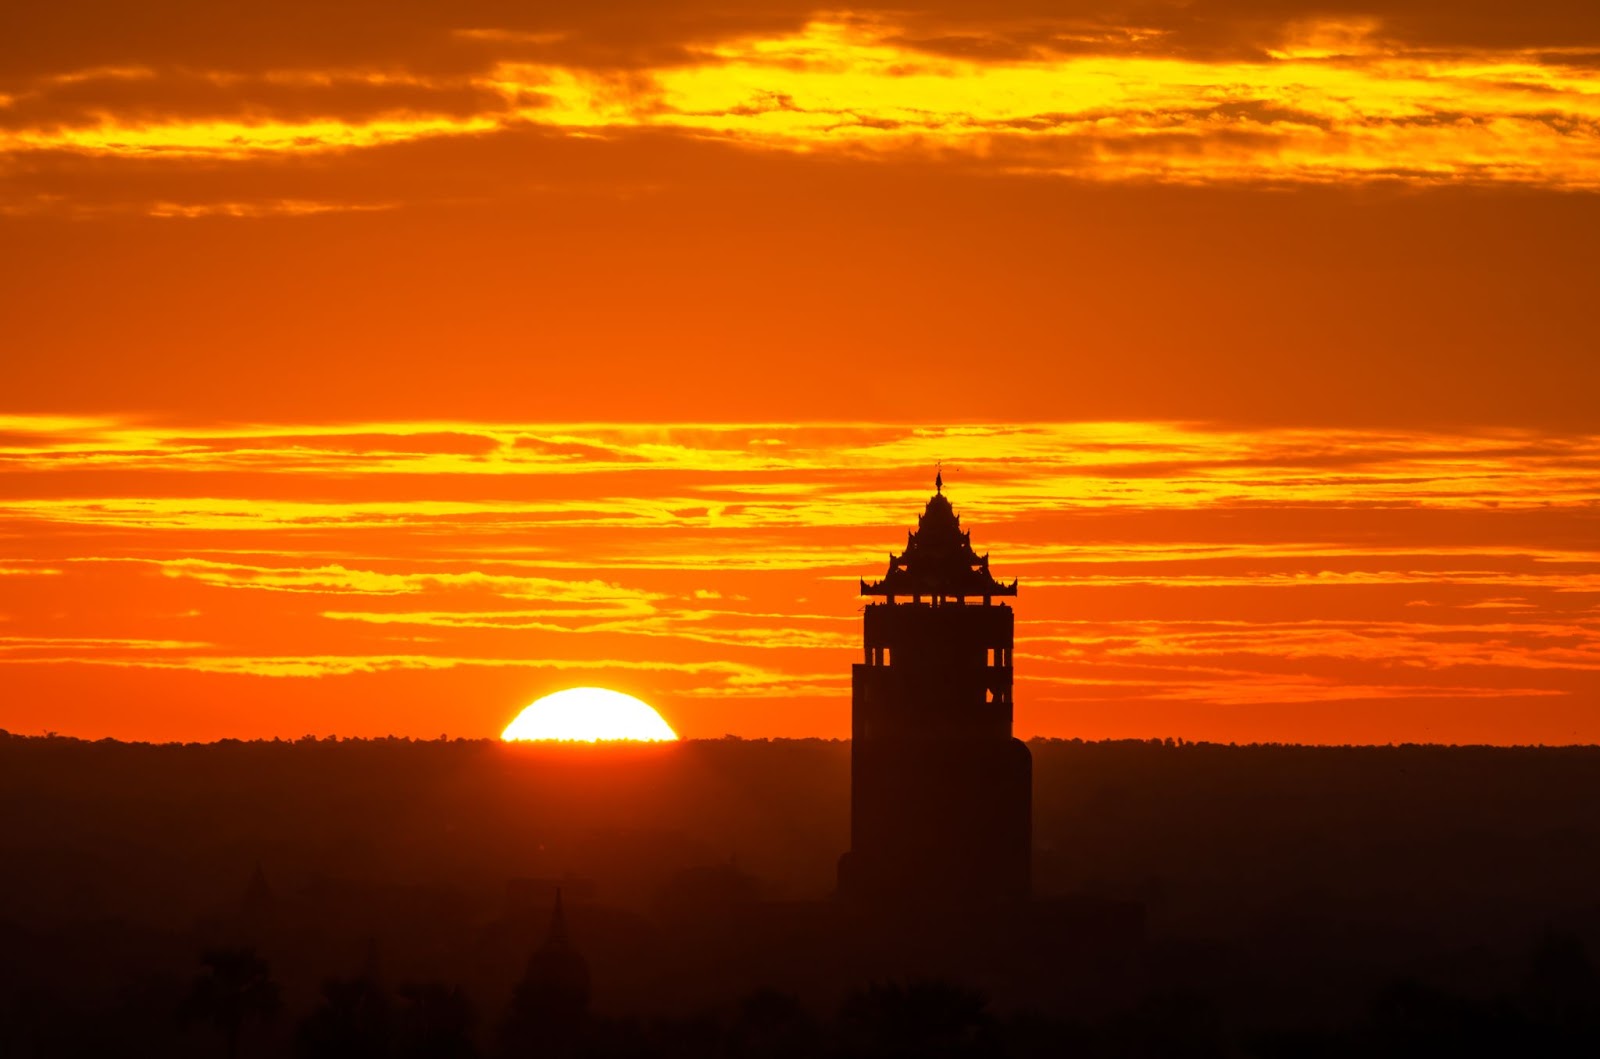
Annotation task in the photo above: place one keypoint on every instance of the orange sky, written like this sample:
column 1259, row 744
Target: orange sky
column 380, row 370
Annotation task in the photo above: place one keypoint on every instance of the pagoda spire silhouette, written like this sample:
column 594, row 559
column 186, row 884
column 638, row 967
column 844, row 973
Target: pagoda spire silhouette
column 255, row 919
column 550, row 1006
column 940, row 790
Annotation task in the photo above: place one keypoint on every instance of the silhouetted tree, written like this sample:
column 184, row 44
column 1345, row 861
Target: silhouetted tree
column 1562, row 995
column 1176, row 1025
column 433, row 1021
column 922, row 1020
column 619, row 1037
column 234, row 989
column 1411, row 1020
column 1301, row 1043
column 1033, row 1035
column 1561, row 979
column 695, row 1036
column 768, row 1023
column 352, row 1022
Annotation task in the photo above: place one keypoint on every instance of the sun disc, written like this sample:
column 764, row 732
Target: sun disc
column 589, row 715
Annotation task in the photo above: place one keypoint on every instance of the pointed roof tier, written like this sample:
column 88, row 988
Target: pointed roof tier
column 938, row 561
column 556, row 962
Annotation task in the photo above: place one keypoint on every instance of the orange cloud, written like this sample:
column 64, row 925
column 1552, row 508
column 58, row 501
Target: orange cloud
column 1334, row 101
column 1171, row 573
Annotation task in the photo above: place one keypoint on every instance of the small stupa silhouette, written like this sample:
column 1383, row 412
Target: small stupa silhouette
column 551, row 1004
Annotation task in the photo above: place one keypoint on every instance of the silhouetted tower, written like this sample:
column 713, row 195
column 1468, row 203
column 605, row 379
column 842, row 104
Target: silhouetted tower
column 256, row 920
column 940, row 792
column 551, row 1003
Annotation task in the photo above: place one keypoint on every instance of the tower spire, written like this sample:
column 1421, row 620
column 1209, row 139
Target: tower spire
column 940, row 788
column 938, row 478
column 550, row 1007
column 938, row 562
column 558, row 923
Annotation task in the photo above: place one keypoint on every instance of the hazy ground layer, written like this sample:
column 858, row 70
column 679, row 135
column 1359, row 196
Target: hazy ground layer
column 1212, row 838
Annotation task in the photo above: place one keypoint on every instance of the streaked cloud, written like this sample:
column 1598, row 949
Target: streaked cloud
column 1338, row 99
column 1171, row 573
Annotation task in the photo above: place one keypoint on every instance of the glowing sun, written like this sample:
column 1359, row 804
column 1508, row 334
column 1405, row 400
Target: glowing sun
column 589, row 715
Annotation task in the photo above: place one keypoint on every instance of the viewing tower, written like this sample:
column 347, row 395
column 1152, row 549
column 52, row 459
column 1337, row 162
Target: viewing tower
column 940, row 792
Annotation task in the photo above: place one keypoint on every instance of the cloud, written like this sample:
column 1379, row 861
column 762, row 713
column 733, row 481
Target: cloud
column 43, row 38
column 1339, row 98
column 142, row 96
column 1161, row 563
column 346, row 665
column 339, row 580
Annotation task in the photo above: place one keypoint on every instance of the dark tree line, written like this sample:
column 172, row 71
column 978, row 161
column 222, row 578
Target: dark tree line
column 233, row 1009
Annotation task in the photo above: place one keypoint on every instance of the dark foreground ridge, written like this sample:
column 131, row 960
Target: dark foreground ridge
column 1357, row 900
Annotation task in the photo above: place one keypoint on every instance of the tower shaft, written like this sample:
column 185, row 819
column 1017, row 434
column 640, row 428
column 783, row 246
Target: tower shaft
column 941, row 792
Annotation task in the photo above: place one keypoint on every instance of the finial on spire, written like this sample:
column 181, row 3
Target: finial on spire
column 938, row 478
column 558, row 922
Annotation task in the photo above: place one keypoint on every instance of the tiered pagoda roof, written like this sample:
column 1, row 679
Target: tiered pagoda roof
column 938, row 561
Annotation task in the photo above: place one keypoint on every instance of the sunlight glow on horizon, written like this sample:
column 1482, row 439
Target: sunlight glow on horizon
column 589, row 715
